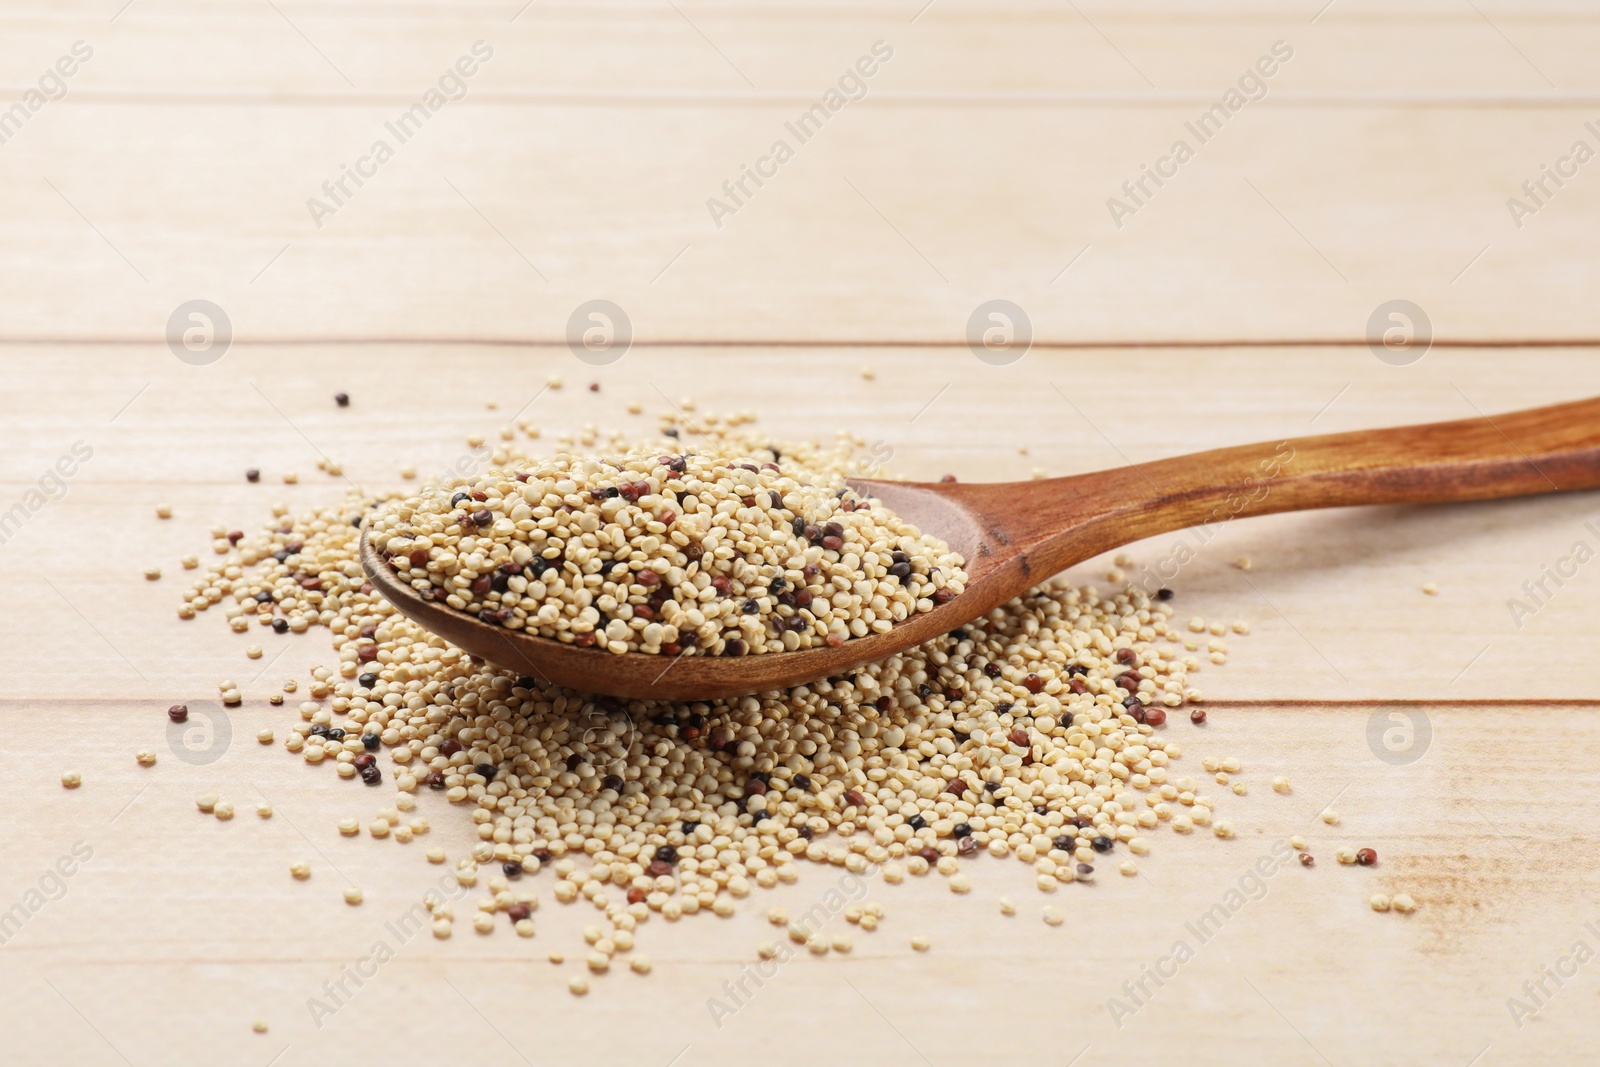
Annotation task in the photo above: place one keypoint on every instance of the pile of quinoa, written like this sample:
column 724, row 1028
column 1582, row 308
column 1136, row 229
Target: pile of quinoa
column 708, row 551
column 1037, row 732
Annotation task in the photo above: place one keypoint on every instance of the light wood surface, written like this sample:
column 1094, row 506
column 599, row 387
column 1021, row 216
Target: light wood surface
column 980, row 160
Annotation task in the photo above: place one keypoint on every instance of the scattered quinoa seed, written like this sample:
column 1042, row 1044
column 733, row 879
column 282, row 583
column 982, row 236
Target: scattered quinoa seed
column 352, row 895
column 71, row 779
column 1379, row 902
column 920, row 943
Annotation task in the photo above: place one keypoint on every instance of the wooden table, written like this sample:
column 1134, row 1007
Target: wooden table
column 1455, row 735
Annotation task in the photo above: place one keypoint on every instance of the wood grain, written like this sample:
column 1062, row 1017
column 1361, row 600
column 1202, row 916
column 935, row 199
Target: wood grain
column 1377, row 167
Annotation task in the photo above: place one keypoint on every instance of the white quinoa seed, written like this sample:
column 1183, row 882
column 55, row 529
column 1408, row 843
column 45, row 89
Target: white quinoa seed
column 206, row 802
column 921, row 943
column 443, row 928
column 1006, row 907
column 223, row 810
column 152, row 573
column 264, row 810
column 163, row 511
column 1404, row 903
column 639, row 964
column 1379, row 902
column 71, row 779
column 146, row 757
column 1330, row 817
column 352, row 895
column 1280, row 784
column 1052, row 915
column 259, row 1026
column 438, row 716
column 716, row 534
column 301, row 870
column 578, row 985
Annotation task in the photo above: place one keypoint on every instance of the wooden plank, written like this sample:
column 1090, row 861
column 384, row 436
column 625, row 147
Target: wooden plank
column 497, row 222
column 179, row 930
column 1334, row 599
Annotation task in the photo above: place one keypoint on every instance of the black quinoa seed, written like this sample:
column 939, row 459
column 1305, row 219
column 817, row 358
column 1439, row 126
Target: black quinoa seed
column 1163, row 594
column 962, row 829
column 1102, row 844
column 512, row 868
column 280, row 626
column 342, row 399
column 370, row 742
column 916, row 822
column 488, row 770
column 367, row 681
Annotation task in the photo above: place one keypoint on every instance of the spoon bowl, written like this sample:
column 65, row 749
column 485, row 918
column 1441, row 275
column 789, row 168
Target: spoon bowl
column 1014, row 535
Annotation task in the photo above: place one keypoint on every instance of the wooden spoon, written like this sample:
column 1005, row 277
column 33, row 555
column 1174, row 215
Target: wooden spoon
column 1015, row 535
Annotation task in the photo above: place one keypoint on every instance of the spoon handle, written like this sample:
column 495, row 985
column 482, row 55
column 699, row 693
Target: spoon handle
column 1540, row 450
